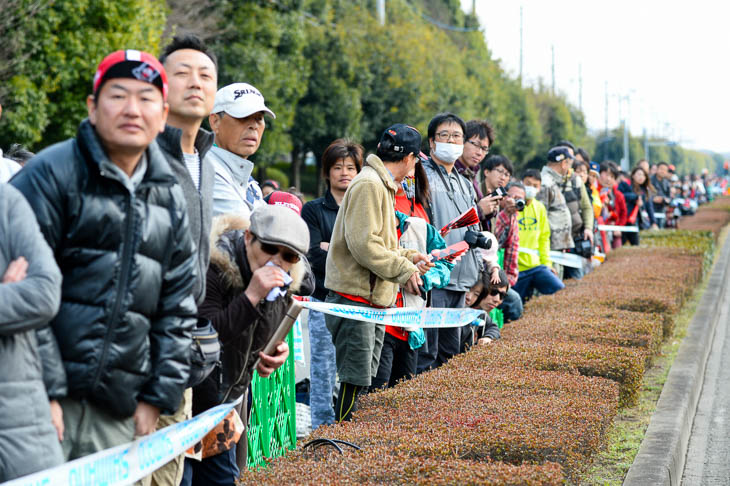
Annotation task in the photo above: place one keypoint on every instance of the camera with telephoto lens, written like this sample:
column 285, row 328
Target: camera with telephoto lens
column 477, row 240
column 583, row 248
column 498, row 192
column 520, row 204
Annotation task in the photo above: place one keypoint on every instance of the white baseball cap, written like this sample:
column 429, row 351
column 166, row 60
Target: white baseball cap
column 240, row 100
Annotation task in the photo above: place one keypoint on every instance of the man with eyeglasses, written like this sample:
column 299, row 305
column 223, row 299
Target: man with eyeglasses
column 479, row 136
column 451, row 195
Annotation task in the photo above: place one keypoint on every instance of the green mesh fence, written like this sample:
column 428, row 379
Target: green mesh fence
column 272, row 426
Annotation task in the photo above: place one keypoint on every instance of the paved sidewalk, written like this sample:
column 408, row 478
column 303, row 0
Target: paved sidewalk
column 661, row 458
column 708, row 455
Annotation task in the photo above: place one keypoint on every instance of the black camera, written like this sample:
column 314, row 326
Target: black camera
column 499, row 192
column 583, row 248
column 520, row 204
column 477, row 240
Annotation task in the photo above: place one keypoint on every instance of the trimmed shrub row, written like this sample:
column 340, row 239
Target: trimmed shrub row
column 532, row 408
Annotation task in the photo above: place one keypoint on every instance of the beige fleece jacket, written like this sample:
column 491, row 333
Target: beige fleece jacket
column 365, row 239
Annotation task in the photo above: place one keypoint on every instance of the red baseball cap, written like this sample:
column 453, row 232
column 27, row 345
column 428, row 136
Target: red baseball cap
column 133, row 64
column 286, row 199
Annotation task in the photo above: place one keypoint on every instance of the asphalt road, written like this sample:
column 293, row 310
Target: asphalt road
column 708, row 454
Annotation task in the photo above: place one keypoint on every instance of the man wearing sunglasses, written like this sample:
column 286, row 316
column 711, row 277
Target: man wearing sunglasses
column 254, row 269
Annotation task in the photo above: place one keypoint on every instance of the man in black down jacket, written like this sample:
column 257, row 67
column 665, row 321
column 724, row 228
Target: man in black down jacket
column 111, row 210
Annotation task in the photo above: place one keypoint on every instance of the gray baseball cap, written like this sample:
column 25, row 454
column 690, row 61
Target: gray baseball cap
column 279, row 225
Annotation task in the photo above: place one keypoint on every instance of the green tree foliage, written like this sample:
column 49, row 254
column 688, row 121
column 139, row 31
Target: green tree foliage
column 262, row 43
column 59, row 47
column 327, row 68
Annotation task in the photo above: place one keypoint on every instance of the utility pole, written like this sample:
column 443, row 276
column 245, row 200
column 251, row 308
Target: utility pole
column 625, row 159
column 646, row 146
column 580, row 86
column 606, row 108
column 552, row 48
column 381, row 11
column 521, row 46
column 474, row 7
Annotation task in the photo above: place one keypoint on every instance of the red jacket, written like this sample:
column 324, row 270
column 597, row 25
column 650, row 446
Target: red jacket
column 616, row 206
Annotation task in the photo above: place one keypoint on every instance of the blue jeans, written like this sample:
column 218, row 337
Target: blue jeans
column 540, row 278
column 322, row 370
column 218, row 470
column 511, row 306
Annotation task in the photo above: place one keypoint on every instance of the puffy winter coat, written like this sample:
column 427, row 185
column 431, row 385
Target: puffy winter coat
column 320, row 215
column 128, row 265
column 28, row 441
column 243, row 328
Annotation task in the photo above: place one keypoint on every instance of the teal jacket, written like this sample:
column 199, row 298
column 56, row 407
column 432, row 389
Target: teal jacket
column 438, row 277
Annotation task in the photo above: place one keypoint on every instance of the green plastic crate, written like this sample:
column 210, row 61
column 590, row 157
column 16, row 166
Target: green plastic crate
column 273, row 422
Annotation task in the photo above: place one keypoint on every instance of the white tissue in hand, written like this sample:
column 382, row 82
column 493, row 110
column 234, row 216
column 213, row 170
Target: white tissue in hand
column 277, row 292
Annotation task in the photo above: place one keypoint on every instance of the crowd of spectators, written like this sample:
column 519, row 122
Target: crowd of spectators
column 118, row 244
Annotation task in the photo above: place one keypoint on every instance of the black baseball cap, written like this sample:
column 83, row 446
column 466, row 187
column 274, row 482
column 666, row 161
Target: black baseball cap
column 401, row 138
column 558, row 154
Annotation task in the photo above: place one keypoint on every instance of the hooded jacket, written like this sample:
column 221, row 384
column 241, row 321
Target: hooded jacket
column 559, row 217
column 128, row 265
column 28, row 441
column 365, row 240
column 243, row 327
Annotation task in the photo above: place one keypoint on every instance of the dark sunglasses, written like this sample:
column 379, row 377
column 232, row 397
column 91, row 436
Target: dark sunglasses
column 272, row 250
column 495, row 292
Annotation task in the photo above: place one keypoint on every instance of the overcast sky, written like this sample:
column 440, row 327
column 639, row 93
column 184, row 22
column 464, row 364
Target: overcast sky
column 672, row 59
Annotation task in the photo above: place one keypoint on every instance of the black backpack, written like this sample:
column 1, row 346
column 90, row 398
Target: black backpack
column 205, row 353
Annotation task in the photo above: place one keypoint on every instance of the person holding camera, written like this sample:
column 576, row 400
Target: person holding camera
column 507, row 232
column 496, row 173
column 581, row 211
column 559, row 162
column 451, row 195
column 535, row 266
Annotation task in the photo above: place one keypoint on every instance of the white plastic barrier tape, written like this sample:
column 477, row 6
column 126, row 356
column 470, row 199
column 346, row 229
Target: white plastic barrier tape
column 428, row 317
column 298, row 340
column 623, row 229
column 128, row 463
column 565, row 259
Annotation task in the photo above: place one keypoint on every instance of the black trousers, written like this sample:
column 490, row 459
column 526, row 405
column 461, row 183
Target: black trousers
column 632, row 238
column 441, row 344
column 397, row 362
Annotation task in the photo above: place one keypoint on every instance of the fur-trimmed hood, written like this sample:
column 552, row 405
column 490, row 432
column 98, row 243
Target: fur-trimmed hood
column 229, row 227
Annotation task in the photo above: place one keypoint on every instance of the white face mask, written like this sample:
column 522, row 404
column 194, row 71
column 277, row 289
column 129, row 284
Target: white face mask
column 530, row 192
column 448, row 152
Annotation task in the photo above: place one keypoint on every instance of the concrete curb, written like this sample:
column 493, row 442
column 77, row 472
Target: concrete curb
column 661, row 458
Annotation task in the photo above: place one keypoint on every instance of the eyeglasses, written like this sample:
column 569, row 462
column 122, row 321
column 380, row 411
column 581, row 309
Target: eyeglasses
column 495, row 292
column 502, row 171
column 455, row 136
column 272, row 250
column 483, row 148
